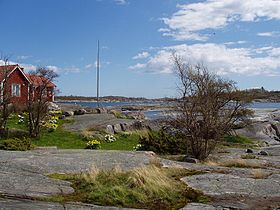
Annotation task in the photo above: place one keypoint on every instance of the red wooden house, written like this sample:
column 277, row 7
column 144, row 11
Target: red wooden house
column 19, row 84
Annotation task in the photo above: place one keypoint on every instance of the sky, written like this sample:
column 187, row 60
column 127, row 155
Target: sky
column 236, row 39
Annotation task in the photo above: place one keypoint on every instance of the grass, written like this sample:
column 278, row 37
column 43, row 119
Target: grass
column 238, row 139
column 64, row 139
column 260, row 174
column 148, row 187
column 13, row 122
column 249, row 156
column 60, row 137
column 237, row 163
column 123, row 142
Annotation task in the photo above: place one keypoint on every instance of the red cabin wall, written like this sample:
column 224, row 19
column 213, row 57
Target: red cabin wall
column 16, row 77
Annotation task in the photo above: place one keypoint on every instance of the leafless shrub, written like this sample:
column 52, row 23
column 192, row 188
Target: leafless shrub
column 208, row 108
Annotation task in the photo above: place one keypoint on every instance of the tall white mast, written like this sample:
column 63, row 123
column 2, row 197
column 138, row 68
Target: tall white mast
column 97, row 74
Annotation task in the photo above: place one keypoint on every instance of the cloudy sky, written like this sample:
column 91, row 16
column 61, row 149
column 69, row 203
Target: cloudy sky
column 235, row 38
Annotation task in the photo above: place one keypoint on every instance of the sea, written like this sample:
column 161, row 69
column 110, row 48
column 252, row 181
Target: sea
column 157, row 114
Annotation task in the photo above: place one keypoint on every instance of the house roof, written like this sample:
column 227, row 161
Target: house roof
column 6, row 70
column 38, row 80
column 31, row 78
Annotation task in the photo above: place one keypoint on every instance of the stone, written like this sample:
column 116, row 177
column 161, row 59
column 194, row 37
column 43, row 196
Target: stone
column 137, row 125
column 117, row 128
column 80, row 112
column 101, row 110
column 62, row 117
column 68, row 113
column 215, row 184
column 110, row 129
column 190, row 160
column 249, row 150
column 264, row 153
column 123, row 126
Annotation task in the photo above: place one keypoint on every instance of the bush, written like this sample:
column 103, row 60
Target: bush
column 17, row 133
column 16, row 144
column 163, row 143
column 94, row 144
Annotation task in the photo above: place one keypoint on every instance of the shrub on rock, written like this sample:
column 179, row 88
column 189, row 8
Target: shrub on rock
column 16, row 144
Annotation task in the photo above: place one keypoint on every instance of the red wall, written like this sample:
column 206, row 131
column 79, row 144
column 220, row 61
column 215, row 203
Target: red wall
column 16, row 77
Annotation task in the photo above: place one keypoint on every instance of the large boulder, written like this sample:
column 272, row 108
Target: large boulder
column 68, row 113
column 110, row 129
column 123, row 126
column 117, row 128
column 80, row 112
column 137, row 125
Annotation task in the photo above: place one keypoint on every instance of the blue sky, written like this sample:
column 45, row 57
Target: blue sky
column 235, row 38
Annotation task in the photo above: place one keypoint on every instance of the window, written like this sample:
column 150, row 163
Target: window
column 16, row 90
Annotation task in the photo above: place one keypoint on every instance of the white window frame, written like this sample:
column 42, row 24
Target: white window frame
column 16, row 90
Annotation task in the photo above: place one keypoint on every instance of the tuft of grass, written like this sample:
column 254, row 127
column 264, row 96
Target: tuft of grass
column 238, row 163
column 260, row 174
column 249, row 156
column 149, row 187
column 238, row 139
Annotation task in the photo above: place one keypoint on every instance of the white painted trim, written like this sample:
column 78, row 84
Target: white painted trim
column 17, row 67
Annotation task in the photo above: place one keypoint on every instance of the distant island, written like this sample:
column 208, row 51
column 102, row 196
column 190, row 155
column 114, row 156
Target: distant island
column 258, row 95
column 109, row 98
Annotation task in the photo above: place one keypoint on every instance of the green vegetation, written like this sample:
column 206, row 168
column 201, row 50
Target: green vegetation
column 149, row 187
column 16, row 144
column 163, row 142
column 61, row 138
column 123, row 142
column 249, row 156
column 238, row 139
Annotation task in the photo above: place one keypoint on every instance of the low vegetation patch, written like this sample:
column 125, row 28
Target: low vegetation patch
column 260, row 174
column 238, row 139
column 16, row 144
column 124, row 141
column 163, row 142
column 149, row 187
column 249, row 156
column 238, row 163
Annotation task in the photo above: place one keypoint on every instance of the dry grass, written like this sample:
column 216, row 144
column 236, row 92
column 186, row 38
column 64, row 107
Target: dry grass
column 238, row 163
column 147, row 187
column 249, row 156
column 260, row 174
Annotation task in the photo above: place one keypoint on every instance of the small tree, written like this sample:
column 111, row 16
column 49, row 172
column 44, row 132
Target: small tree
column 208, row 107
column 37, row 101
column 5, row 95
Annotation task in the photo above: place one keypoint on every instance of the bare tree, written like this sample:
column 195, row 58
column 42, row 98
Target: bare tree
column 5, row 94
column 38, row 101
column 208, row 107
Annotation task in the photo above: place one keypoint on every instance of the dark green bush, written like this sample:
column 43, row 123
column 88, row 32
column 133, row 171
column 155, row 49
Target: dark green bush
column 17, row 133
column 162, row 142
column 16, row 144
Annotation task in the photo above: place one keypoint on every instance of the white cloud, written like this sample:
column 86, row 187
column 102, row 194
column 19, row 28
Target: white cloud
column 191, row 19
column 88, row 66
column 269, row 34
column 237, row 42
column 218, row 57
column 121, row 2
column 24, row 57
column 71, row 69
column 141, row 55
column 137, row 66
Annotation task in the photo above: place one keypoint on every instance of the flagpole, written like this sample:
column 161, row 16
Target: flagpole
column 97, row 74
